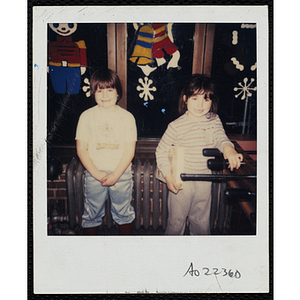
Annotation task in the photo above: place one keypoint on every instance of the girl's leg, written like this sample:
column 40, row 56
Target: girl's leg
column 199, row 215
column 178, row 207
column 94, row 206
column 121, row 208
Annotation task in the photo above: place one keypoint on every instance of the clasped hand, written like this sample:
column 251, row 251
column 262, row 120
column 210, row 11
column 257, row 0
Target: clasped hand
column 109, row 180
column 106, row 179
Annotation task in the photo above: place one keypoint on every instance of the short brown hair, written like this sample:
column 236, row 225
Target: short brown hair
column 106, row 79
column 198, row 83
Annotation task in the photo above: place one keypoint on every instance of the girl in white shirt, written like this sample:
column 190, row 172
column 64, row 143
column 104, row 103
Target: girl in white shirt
column 105, row 140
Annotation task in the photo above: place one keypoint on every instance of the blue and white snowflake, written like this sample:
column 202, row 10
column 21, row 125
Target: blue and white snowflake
column 245, row 89
column 146, row 89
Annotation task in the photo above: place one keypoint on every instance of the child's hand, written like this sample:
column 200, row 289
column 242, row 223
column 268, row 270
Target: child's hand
column 171, row 183
column 100, row 175
column 109, row 180
column 233, row 157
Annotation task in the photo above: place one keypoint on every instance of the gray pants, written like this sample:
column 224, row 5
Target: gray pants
column 194, row 202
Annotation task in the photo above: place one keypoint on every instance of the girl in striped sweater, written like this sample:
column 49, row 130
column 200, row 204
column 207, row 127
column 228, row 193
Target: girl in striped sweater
column 197, row 128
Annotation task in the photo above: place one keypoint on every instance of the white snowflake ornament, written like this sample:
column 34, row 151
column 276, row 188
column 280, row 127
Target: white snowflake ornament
column 146, row 89
column 245, row 89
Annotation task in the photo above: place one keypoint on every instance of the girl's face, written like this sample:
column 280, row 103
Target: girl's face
column 106, row 98
column 198, row 104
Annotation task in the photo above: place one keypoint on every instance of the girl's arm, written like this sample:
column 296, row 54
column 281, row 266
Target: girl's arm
column 163, row 148
column 171, row 183
column 162, row 152
column 82, row 152
column 164, row 166
column 233, row 157
column 222, row 142
column 111, row 179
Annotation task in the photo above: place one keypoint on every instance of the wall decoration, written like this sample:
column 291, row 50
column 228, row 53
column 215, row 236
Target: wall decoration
column 141, row 55
column 237, row 64
column 245, row 88
column 248, row 26
column 66, row 59
column 234, row 37
column 68, row 92
column 153, row 47
column 153, row 44
column 153, row 85
column 162, row 45
column 146, row 89
column 234, row 70
column 87, row 87
column 159, row 60
column 253, row 67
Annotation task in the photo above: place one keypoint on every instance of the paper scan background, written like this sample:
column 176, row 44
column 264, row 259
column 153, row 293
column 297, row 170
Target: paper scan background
column 146, row 264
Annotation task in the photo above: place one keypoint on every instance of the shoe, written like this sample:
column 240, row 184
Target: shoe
column 91, row 230
column 125, row 229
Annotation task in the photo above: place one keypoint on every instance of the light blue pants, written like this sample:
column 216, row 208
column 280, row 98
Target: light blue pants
column 194, row 202
column 96, row 195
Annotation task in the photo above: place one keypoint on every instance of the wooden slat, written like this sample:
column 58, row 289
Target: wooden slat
column 199, row 46
column 164, row 206
column 122, row 60
column 228, row 214
column 209, row 47
column 214, row 204
column 111, row 46
column 71, row 191
column 155, row 214
column 137, row 193
column 146, row 195
column 79, row 191
column 203, row 48
column 222, row 208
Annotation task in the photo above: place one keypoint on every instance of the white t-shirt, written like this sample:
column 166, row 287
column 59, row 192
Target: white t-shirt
column 106, row 132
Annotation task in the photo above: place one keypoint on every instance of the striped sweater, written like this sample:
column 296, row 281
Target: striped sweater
column 193, row 135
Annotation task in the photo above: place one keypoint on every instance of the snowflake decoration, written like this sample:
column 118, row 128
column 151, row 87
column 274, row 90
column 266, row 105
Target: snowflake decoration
column 245, row 89
column 146, row 89
column 87, row 87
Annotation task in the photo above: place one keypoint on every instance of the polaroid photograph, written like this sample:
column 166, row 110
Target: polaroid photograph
column 116, row 208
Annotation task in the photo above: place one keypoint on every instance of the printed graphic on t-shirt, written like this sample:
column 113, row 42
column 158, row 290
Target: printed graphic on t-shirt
column 107, row 136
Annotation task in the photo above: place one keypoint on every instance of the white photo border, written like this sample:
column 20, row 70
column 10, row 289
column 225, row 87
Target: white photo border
column 147, row 264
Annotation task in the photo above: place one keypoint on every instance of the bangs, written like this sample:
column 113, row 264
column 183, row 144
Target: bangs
column 209, row 94
column 104, row 85
column 106, row 79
